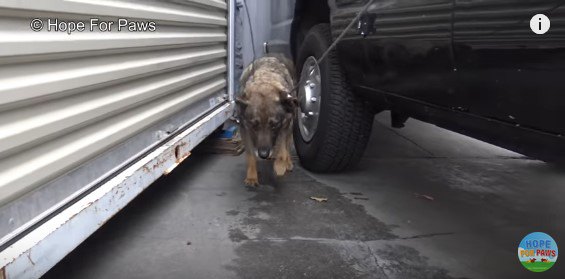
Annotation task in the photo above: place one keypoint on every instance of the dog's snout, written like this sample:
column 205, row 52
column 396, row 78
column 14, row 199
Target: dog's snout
column 264, row 152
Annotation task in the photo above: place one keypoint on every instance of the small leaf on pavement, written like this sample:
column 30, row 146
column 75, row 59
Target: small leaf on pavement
column 318, row 199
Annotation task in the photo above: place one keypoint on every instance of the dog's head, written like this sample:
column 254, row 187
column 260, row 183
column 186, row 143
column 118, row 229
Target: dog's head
column 266, row 110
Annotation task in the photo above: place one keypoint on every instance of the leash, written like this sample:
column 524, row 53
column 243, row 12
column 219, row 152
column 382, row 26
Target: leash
column 342, row 34
column 316, row 61
column 334, row 43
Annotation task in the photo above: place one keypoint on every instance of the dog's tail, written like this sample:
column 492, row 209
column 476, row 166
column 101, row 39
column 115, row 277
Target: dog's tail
column 245, row 75
column 287, row 63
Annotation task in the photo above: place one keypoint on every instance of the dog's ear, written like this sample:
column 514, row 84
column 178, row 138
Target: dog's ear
column 289, row 102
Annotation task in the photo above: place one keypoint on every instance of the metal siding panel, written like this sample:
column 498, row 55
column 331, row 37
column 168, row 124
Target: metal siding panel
column 42, row 248
column 154, row 10
column 67, row 98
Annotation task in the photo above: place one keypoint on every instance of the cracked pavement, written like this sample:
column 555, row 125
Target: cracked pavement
column 423, row 203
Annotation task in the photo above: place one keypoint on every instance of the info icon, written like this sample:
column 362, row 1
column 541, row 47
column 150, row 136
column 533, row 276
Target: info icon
column 540, row 24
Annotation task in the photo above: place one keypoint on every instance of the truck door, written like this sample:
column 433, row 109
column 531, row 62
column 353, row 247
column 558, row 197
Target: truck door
column 407, row 51
column 506, row 71
column 282, row 12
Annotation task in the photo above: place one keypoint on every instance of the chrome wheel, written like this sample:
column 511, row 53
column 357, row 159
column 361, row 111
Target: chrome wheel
column 309, row 97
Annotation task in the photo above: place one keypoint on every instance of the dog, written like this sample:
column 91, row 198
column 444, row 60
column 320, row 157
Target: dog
column 266, row 106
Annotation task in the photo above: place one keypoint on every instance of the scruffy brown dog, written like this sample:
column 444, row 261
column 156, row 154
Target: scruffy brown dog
column 266, row 107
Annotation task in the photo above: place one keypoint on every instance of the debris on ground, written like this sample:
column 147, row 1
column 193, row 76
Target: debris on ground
column 319, row 199
column 427, row 197
column 188, row 243
column 229, row 132
column 356, row 193
column 224, row 141
column 360, row 198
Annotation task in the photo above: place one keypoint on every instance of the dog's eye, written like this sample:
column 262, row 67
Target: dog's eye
column 255, row 123
column 274, row 125
column 252, row 123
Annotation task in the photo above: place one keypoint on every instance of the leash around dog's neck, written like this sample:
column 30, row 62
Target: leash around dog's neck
column 300, row 82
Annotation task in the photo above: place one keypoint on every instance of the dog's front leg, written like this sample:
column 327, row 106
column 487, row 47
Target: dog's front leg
column 283, row 162
column 251, row 178
column 280, row 166
column 282, row 158
column 289, row 165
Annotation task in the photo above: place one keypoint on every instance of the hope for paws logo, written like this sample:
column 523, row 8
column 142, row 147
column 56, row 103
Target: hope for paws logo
column 537, row 252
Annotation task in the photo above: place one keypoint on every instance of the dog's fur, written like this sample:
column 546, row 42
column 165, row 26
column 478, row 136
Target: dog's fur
column 267, row 107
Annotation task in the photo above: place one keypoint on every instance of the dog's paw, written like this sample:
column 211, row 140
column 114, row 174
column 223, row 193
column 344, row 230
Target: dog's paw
column 280, row 168
column 289, row 165
column 251, row 181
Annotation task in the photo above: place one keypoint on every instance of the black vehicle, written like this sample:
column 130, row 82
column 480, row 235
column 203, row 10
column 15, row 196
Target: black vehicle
column 471, row 66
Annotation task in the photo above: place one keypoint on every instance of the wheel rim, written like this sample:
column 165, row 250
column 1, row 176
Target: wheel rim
column 309, row 98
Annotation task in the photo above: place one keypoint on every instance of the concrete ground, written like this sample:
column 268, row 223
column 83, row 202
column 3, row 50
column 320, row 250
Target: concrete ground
column 423, row 203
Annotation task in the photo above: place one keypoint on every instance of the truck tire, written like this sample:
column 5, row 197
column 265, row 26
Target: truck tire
column 344, row 120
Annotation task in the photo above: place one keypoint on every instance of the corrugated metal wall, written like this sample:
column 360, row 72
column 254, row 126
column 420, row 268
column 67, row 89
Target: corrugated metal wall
column 67, row 98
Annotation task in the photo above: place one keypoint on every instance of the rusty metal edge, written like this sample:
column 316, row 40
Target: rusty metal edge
column 36, row 253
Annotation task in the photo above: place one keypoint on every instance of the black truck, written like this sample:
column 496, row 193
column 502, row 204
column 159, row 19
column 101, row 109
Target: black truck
column 475, row 67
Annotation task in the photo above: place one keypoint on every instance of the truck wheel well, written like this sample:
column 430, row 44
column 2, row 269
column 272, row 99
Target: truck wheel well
column 307, row 13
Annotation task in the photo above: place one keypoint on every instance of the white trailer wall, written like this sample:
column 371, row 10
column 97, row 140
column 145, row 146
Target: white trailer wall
column 78, row 109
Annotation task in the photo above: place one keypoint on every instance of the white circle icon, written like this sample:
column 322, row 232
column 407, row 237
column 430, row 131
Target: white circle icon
column 539, row 24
